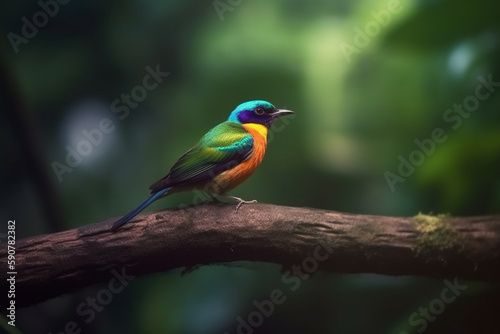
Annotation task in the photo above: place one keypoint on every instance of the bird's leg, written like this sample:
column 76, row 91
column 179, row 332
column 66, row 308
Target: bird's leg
column 239, row 200
column 212, row 196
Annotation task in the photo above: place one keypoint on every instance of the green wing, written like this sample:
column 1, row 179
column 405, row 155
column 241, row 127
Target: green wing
column 222, row 148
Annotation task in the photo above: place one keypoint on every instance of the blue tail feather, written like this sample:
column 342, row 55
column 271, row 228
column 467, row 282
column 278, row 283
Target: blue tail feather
column 122, row 221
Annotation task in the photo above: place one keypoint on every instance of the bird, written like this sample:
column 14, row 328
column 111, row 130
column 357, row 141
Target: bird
column 222, row 159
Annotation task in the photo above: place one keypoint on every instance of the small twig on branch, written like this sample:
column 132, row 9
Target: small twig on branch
column 435, row 246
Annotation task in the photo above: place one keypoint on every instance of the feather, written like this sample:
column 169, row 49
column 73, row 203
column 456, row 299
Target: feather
column 222, row 148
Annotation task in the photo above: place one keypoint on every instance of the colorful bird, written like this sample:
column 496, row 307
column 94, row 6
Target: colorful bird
column 223, row 158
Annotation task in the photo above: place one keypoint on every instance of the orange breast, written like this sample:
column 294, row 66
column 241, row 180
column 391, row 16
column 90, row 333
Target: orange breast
column 233, row 177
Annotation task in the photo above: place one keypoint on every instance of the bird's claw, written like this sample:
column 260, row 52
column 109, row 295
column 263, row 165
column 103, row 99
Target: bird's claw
column 241, row 202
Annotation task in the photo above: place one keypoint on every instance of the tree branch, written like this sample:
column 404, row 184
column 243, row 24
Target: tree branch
column 435, row 246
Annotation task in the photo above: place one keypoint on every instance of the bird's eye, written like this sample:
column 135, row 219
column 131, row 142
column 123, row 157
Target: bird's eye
column 259, row 111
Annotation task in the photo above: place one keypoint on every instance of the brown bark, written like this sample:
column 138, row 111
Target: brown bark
column 58, row 263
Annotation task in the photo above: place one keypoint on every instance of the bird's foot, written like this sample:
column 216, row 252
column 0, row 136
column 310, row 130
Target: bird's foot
column 240, row 201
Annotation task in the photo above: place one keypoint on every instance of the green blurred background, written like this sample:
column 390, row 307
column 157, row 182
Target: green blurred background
column 366, row 78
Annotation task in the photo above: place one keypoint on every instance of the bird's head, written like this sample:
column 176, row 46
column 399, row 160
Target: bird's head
column 257, row 111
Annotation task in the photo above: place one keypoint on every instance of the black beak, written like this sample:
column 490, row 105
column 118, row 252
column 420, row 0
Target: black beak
column 281, row 112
